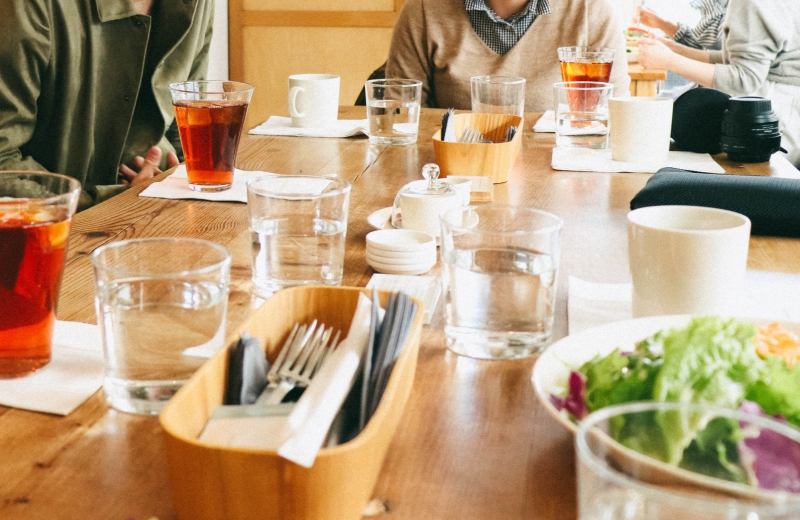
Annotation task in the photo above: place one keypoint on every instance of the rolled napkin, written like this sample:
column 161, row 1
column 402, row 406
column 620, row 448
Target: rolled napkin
column 591, row 160
column 546, row 123
column 771, row 203
column 176, row 186
column 74, row 373
column 276, row 125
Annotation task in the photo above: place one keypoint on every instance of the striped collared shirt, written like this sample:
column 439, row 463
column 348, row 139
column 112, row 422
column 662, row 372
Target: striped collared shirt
column 707, row 34
column 499, row 34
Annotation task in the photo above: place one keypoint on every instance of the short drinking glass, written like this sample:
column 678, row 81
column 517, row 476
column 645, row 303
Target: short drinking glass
column 500, row 278
column 210, row 116
column 498, row 95
column 670, row 461
column 582, row 113
column 298, row 226
column 393, row 110
column 161, row 306
column 35, row 216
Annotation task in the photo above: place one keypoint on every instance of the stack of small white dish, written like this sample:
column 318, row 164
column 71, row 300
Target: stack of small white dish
column 401, row 251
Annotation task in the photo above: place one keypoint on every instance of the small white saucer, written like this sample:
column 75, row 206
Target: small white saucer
column 395, row 269
column 381, row 219
column 400, row 240
column 421, row 259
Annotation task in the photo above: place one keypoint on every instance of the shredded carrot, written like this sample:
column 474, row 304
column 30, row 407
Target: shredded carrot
column 772, row 340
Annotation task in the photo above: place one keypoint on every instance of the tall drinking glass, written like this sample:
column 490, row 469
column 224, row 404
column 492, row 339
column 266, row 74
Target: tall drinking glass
column 298, row 226
column 498, row 95
column 586, row 63
column 161, row 306
column 393, row 110
column 500, row 278
column 725, row 464
column 210, row 116
column 36, row 211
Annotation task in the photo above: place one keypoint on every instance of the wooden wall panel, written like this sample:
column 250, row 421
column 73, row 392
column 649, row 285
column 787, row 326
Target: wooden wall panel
column 268, row 40
column 272, row 54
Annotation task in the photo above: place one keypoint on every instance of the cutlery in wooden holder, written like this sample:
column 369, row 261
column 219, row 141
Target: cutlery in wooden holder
column 211, row 481
column 493, row 160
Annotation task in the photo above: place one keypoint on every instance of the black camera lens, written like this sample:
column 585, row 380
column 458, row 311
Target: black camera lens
column 750, row 130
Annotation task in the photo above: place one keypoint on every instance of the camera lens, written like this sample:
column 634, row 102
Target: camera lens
column 750, row 130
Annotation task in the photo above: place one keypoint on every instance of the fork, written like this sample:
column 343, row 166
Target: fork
column 303, row 359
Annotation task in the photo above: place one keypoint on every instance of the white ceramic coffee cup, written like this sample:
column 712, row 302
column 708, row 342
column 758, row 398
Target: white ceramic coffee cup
column 640, row 128
column 313, row 99
column 686, row 259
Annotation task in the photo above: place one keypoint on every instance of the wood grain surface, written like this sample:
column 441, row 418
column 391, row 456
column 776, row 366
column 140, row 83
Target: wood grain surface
column 473, row 442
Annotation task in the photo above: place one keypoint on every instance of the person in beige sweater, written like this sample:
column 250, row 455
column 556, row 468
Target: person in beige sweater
column 434, row 41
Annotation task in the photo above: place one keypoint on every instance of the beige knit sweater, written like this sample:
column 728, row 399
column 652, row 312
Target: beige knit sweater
column 433, row 41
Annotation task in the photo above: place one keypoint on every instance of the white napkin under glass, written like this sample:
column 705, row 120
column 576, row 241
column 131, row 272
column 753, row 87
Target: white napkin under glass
column 282, row 126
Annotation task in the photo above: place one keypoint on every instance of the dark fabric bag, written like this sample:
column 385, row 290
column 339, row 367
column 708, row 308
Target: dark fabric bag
column 771, row 203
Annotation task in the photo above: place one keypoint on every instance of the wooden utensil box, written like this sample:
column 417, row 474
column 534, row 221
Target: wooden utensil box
column 492, row 160
column 223, row 483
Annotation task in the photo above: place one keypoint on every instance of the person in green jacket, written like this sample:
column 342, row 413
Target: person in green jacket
column 84, row 86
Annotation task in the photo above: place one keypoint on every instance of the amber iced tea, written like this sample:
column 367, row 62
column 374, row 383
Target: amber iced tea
column 210, row 117
column 34, row 227
column 210, row 134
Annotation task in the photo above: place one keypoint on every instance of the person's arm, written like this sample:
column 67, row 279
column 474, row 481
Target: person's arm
column 408, row 54
column 654, row 54
column 650, row 18
column 605, row 30
column 688, row 52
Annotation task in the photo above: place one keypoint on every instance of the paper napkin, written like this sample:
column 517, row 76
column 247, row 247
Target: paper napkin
column 546, row 123
column 765, row 295
column 176, row 186
column 591, row 160
column 276, row 125
column 425, row 288
column 74, row 373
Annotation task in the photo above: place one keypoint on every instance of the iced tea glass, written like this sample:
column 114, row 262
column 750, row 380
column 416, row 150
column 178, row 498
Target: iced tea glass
column 586, row 63
column 36, row 211
column 210, row 116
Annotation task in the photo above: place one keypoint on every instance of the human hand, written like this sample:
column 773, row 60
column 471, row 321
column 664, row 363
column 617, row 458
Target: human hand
column 648, row 17
column 653, row 54
column 148, row 166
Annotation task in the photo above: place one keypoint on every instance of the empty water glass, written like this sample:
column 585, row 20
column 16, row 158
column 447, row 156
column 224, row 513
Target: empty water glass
column 498, row 95
column 393, row 110
column 500, row 277
column 298, row 226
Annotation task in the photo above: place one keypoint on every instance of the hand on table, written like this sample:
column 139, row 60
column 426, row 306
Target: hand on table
column 148, row 166
column 654, row 54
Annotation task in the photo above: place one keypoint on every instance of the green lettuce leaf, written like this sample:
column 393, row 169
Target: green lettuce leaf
column 778, row 390
column 714, row 451
column 712, row 361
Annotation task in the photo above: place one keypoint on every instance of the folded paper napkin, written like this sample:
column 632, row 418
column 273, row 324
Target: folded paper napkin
column 765, row 295
column 74, row 373
column 771, row 203
column 176, row 186
column 546, row 123
column 590, row 160
column 276, row 125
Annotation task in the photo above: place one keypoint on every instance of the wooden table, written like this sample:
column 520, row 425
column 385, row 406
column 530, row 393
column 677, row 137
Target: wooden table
column 474, row 442
column 644, row 82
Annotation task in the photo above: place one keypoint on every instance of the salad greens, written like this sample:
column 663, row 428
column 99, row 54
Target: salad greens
column 711, row 361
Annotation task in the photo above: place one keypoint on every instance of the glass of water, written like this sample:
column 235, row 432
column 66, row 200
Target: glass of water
column 298, row 226
column 500, row 278
column 582, row 113
column 161, row 305
column 670, row 461
column 393, row 110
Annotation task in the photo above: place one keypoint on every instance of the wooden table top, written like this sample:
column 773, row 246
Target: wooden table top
column 474, row 442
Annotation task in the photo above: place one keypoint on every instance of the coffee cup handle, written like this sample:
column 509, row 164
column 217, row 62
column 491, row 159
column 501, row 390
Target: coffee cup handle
column 293, row 92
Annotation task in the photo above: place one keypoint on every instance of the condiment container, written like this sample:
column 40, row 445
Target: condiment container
column 418, row 204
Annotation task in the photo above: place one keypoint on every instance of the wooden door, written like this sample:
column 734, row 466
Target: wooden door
column 273, row 39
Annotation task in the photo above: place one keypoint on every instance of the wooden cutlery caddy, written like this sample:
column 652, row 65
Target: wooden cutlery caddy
column 210, row 481
column 493, row 160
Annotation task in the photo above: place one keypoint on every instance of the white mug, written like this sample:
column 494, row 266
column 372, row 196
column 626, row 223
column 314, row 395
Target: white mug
column 313, row 99
column 686, row 259
column 640, row 129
